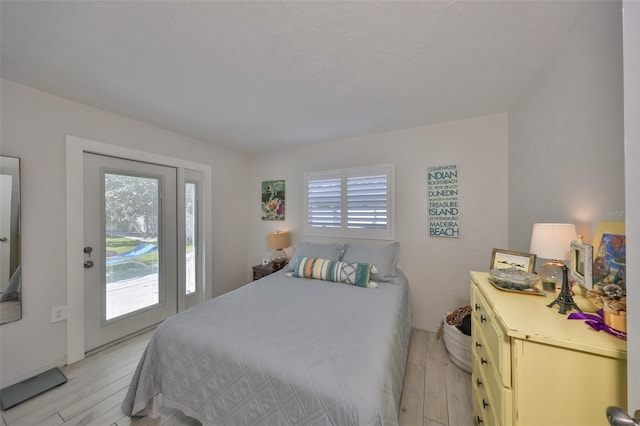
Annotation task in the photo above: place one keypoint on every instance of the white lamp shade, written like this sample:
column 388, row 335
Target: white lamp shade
column 552, row 240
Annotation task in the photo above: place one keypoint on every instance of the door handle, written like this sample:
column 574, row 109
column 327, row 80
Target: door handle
column 3, row 239
column 88, row 264
column 617, row 417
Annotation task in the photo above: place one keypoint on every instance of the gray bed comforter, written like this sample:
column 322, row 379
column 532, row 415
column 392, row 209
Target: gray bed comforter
column 282, row 351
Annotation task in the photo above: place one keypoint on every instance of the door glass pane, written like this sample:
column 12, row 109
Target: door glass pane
column 131, row 241
column 191, row 234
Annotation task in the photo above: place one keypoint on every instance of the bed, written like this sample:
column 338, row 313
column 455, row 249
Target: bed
column 282, row 350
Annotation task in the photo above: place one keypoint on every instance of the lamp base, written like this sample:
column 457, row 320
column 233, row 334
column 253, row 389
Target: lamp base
column 551, row 275
column 279, row 258
column 565, row 300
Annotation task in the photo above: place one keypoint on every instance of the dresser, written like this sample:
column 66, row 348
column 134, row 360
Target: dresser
column 533, row 366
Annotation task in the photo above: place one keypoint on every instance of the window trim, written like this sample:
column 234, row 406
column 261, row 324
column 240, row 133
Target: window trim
column 343, row 230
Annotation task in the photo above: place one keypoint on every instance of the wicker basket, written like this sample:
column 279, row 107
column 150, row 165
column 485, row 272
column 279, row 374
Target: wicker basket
column 458, row 346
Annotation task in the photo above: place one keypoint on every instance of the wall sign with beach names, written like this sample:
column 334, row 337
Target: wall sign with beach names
column 442, row 202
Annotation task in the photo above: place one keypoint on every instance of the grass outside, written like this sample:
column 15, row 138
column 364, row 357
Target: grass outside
column 139, row 266
column 123, row 244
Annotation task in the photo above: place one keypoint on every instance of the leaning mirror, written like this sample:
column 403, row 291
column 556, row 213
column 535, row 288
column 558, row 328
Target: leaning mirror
column 10, row 276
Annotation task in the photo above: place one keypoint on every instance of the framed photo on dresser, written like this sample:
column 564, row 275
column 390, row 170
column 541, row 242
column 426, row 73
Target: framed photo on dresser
column 502, row 259
column 581, row 263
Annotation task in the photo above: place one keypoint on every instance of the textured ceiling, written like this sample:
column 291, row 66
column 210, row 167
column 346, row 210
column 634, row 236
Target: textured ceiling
column 261, row 75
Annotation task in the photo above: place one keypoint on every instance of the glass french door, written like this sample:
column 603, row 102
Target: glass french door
column 130, row 248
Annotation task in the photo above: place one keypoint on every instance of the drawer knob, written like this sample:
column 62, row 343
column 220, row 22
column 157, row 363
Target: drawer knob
column 478, row 382
column 483, row 361
column 485, row 404
column 479, row 420
column 483, row 318
column 477, row 307
column 478, row 345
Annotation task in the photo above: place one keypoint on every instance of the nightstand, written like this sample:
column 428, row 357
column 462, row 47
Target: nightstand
column 260, row 271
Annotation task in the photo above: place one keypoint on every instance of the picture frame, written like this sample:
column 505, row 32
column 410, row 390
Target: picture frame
column 609, row 254
column 502, row 259
column 272, row 199
column 581, row 263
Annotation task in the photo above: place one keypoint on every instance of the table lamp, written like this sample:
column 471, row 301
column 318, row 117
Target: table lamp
column 553, row 241
column 278, row 240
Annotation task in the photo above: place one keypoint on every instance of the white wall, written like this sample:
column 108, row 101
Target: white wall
column 437, row 268
column 566, row 150
column 33, row 127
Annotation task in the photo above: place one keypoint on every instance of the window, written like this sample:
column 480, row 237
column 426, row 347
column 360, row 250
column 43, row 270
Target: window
column 192, row 232
column 191, row 237
column 354, row 202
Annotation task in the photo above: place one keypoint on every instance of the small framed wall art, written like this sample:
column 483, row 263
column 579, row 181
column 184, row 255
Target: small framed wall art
column 501, row 259
column 273, row 200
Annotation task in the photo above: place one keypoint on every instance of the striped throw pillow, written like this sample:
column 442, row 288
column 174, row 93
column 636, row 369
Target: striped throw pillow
column 353, row 273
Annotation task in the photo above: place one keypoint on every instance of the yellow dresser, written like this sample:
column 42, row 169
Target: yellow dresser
column 534, row 367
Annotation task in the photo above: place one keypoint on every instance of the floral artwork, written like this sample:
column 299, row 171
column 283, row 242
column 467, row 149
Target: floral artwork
column 273, row 200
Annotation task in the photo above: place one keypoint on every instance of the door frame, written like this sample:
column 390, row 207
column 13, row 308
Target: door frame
column 75, row 148
column 631, row 47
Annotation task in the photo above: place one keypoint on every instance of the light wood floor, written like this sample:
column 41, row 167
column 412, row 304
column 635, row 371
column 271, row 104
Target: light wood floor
column 435, row 392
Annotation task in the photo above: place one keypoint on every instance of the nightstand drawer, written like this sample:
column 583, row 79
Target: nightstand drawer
column 496, row 342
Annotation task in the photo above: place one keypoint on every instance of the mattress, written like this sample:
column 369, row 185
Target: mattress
column 282, row 351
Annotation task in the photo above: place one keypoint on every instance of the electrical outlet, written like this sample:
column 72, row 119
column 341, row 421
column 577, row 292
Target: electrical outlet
column 58, row 313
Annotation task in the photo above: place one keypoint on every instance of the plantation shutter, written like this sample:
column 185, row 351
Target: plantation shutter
column 324, row 201
column 367, row 202
column 349, row 202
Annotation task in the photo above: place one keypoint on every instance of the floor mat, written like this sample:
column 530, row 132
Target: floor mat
column 20, row 392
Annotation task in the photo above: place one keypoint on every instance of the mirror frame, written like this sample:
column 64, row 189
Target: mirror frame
column 11, row 294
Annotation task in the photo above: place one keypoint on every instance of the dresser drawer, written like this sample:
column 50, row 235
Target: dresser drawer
column 493, row 394
column 495, row 342
column 482, row 412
